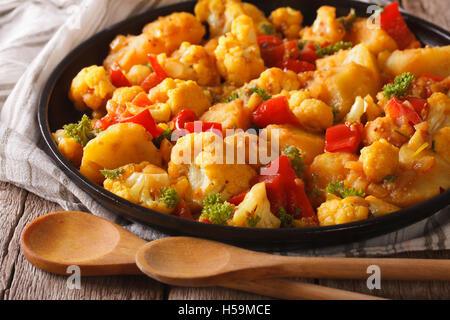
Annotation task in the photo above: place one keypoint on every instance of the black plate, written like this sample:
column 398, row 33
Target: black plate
column 55, row 110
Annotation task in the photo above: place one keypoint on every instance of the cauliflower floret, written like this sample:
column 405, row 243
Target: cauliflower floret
column 142, row 184
column 326, row 28
column 245, row 147
column 254, row 210
column 120, row 99
column 439, row 112
column 238, row 56
column 191, row 62
column 69, row 148
column 201, row 158
column 338, row 211
column 128, row 51
column 275, row 80
column 220, row 15
column 385, row 128
column 138, row 73
column 176, row 28
column 163, row 35
column 314, row 115
column 118, row 145
column 177, row 95
column 288, row 21
column 91, row 88
column 380, row 160
column 329, row 167
column 441, row 143
column 378, row 207
column 231, row 115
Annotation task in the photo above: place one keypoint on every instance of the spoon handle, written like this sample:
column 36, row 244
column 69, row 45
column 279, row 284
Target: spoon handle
column 295, row 290
column 358, row 268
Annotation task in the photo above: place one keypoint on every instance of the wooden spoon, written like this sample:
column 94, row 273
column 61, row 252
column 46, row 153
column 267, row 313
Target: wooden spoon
column 191, row 261
column 99, row 247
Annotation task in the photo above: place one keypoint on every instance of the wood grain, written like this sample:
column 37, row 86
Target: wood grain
column 20, row 280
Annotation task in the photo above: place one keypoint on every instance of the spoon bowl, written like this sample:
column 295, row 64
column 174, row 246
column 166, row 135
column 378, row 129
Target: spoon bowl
column 60, row 239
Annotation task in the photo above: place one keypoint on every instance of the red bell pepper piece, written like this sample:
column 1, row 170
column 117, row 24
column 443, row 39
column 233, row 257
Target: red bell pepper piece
column 141, row 100
column 183, row 211
column 432, row 77
column 309, row 53
column 285, row 189
column 393, row 23
column 204, row 126
column 395, row 109
column 296, row 65
column 105, row 122
column 156, row 77
column 264, row 41
column 418, row 103
column 118, row 79
column 274, row 111
column 343, row 137
column 236, row 200
column 291, row 50
column 145, row 119
column 182, row 117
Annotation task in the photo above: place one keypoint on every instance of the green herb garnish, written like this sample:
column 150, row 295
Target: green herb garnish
column 216, row 210
column 400, row 87
column 337, row 188
column 390, row 178
column 402, row 134
column 348, row 21
column 169, row 196
column 261, row 92
column 231, row 97
column 296, row 159
column 286, row 219
column 333, row 48
column 252, row 220
column 268, row 29
column 82, row 132
column 112, row 174
column 433, row 146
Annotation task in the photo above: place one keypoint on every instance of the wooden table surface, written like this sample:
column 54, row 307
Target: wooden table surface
column 20, row 280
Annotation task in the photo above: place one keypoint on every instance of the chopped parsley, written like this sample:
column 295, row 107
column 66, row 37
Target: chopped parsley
column 216, row 210
column 400, row 87
column 316, row 193
column 433, row 146
column 348, row 21
column 112, row 174
column 301, row 44
column 286, row 219
column 252, row 220
column 169, row 196
column 268, row 29
column 337, row 188
column 402, row 134
column 390, row 178
column 261, row 92
column 231, row 97
column 82, row 132
column 296, row 159
column 332, row 48
column 166, row 134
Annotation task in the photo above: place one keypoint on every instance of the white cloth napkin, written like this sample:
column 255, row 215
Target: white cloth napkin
column 34, row 37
